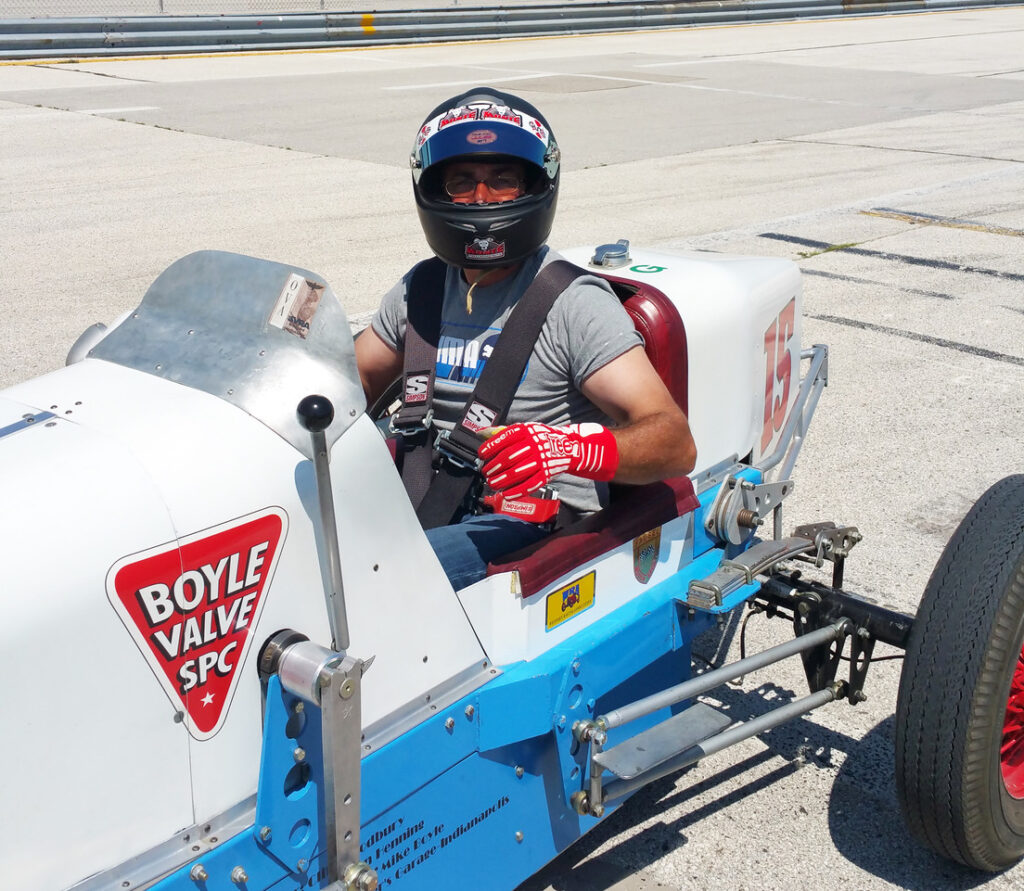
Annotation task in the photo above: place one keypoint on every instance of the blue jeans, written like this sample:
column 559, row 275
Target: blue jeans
column 465, row 548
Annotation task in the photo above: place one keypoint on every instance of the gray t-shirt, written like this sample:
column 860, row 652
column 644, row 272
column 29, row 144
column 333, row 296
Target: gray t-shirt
column 585, row 329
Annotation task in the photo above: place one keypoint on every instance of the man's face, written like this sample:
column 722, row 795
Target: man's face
column 482, row 182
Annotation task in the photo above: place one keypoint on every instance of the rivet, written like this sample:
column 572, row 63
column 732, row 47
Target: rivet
column 239, row 876
column 575, row 666
column 265, row 833
column 449, row 723
column 299, row 754
column 346, row 689
column 299, row 707
column 198, row 873
column 519, row 836
column 302, row 865
column 519, row 771
column 470, row 711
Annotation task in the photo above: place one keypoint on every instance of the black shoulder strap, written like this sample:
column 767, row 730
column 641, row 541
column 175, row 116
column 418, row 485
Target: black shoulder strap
column 424, row 296
column 412, row 421
column 493, row 394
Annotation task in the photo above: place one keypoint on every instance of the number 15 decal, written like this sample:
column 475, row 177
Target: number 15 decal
column 778, row 370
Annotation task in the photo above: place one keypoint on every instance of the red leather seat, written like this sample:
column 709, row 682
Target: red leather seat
column 660, row 325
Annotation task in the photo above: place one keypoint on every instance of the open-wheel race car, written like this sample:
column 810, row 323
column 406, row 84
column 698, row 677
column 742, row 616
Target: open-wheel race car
column 247, row 669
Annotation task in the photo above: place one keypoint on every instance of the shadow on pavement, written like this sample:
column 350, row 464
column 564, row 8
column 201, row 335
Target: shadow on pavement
column 868, row 830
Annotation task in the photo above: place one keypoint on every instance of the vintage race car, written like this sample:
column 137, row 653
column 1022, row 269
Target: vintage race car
column 247, row 670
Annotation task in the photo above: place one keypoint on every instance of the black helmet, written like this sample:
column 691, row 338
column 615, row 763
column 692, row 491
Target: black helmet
column 485, row 125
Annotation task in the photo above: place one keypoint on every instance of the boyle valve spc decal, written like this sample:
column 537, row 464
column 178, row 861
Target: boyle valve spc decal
column 190, row 606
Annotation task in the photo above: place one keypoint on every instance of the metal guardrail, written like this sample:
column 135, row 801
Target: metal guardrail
column 50, row 38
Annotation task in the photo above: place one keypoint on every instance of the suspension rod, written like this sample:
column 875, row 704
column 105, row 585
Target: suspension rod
column 711, row 679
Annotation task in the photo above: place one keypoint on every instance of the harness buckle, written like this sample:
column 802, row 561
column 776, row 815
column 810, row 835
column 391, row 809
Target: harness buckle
column 455, row 453
column 413, row 428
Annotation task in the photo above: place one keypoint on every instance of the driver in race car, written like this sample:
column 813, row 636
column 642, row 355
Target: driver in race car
column 588, row 408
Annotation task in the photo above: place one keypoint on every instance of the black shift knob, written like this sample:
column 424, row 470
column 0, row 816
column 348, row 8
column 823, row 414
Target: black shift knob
column 315, row 413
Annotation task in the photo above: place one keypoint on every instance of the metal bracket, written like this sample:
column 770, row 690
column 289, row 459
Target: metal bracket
column 333, row 681
column 741, row 507
column 831, row 542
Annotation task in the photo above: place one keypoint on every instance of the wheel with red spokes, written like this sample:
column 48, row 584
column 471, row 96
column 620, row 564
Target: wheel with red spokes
column 960, row 712
column 1011, row 752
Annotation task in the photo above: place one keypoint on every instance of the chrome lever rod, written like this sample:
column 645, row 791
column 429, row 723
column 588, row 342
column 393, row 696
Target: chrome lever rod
column 315, row 414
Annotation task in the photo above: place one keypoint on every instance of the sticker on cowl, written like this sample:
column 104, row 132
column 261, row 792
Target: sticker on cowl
column 191, row 606
column 296, row 305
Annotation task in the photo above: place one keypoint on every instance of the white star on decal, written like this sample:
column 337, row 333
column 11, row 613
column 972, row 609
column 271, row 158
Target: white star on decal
column 207, row 699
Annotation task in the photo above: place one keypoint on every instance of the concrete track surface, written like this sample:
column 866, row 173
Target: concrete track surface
column 884, row 155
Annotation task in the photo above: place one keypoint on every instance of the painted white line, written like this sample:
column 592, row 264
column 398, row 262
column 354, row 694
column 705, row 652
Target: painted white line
column 469, row 83
column 117, row 110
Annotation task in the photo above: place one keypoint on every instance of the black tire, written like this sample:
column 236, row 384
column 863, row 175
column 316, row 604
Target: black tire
column 963, row 652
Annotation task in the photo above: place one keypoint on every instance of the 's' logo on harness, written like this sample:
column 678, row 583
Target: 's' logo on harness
column 479, row 417
column 416, row 387
column 191, row 605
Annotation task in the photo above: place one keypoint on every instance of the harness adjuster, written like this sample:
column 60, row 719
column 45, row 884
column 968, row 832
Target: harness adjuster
column 447, row 449
column 410, row 428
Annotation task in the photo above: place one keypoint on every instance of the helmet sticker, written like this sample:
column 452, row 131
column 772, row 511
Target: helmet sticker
column 485, row 248
column 481, row 137
column 191, row 606
column 482, row 112
column 457, row 116
column 501, row 113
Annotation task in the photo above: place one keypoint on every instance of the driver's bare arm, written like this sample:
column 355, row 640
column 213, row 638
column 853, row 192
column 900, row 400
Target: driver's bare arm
column 651, row 441
column 652, row 433
column 378, row 364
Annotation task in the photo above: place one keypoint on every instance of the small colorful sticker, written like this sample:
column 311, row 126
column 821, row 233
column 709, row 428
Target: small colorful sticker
column 191, row 606
column 571, row 600
column 645, row 554
column 645, row 269
column 296, row 305
column 485, row 248
column 481, row 137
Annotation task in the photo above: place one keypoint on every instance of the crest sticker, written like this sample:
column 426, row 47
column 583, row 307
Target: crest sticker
column 645, row 554
column 190, row 606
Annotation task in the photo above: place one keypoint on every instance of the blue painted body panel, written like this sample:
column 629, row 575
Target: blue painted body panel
column 446, row 804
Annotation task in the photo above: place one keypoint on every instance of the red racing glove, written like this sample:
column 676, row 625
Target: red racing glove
column 523, row 457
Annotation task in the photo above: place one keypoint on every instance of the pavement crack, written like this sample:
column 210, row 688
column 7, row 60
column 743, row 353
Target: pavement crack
column 922, row 338
column 138, row 80
column 857, row 280
column 891, row 148
column 822, row 246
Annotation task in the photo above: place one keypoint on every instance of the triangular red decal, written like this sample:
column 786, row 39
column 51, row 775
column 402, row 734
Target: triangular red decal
column 191, row 606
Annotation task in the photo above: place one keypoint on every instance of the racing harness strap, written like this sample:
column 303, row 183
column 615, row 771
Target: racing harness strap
column 438, row 497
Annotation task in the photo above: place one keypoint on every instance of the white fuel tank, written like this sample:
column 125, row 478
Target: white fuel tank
column 743, row 326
